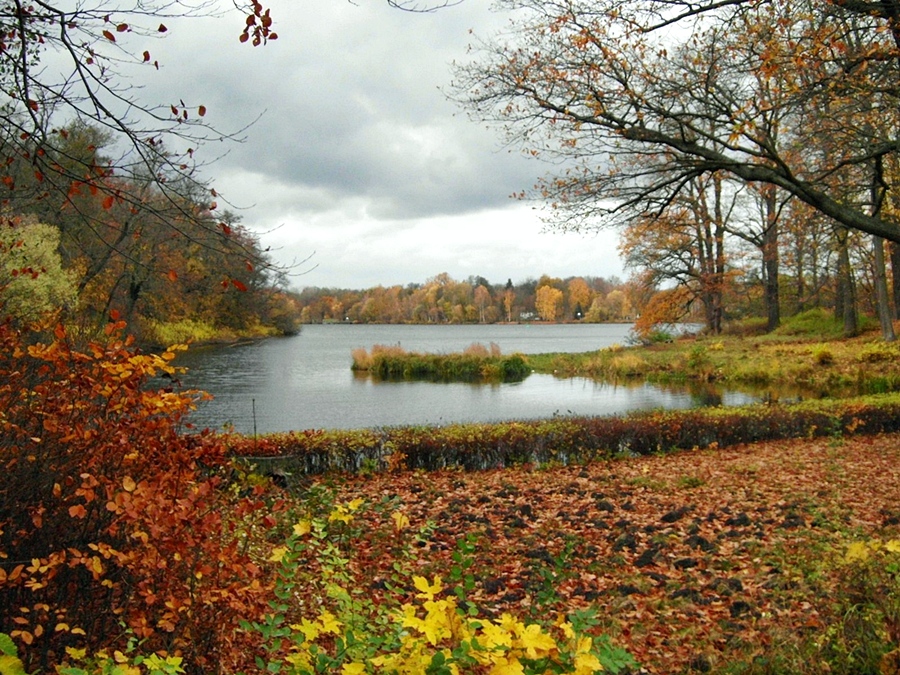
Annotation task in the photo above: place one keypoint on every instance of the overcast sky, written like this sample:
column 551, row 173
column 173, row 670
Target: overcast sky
column 358, row 158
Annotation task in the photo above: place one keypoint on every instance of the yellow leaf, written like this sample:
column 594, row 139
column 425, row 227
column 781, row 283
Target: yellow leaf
column 329, row 623
column 400, row 521
column 426, row 591
column 310, row 629
column 353, row 669
column 278, row 553
column 494, row 636
column 11, row 665
column 858, row 550
column 587, row 664
column 128, row 483
column 892, row 546
column 340, row 513
column 76, row 654
column 301, row 528
column 536, row 642
column 504, row 666
column 356, row 503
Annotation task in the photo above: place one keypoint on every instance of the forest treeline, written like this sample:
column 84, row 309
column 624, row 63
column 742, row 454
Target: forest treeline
column 442, row 299
column 816, row 267
column 169, row 263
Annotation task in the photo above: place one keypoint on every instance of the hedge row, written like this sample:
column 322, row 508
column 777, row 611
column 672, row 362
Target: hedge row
column 564, row 439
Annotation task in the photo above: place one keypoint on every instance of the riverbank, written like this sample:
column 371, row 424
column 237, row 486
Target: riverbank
column 159, row 335
column 823, row 366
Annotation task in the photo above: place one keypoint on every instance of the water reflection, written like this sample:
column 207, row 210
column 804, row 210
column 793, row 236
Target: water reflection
column 306, row 382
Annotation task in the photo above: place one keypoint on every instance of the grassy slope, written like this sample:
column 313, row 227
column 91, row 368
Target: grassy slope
column 864, row 364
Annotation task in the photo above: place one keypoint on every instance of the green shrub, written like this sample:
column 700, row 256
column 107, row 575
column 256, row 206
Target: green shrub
column 475, row 364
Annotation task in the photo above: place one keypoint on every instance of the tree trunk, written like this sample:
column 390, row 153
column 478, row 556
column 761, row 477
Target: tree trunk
column 845, row 303
column 771, row 261
column 895, row 277
column 885, row 316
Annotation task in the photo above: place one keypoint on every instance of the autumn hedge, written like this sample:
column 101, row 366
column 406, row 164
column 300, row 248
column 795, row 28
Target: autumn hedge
column 563, row 440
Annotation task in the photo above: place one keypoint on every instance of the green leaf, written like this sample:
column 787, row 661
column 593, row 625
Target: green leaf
column 7, row 646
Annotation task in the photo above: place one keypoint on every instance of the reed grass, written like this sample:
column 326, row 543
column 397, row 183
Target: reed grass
column 477, row 363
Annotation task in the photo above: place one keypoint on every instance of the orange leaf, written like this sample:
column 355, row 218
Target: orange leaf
column 122, row 27
column 77, row 511
column 108, row 202
column 238, row 285
column 172, row 275
column 201, row 110
column 109, row 36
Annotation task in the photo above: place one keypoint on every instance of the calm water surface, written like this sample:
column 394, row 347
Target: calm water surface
column 305, row 382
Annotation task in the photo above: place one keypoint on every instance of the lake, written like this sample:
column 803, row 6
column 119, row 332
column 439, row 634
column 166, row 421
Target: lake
column 305, row 381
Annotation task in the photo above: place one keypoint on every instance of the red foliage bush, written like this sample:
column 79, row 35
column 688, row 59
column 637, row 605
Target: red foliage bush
column 112, row 522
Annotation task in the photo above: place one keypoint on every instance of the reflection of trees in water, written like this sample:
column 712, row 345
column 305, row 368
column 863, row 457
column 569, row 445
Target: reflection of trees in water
column 706, row 395
column 711, row 394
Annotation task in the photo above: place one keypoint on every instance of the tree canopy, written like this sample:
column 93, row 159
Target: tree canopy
column 636, row 102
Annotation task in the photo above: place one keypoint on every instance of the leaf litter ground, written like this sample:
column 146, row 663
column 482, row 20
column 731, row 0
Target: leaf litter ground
column 690, row 559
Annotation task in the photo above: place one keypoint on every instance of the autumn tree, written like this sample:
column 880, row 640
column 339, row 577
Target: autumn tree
column 32, row 279
column 636, row 112
column 509, row 297
column 685, row 246
column 579, row 297
column 548, row 302
column 90, row 44
column 482, row 298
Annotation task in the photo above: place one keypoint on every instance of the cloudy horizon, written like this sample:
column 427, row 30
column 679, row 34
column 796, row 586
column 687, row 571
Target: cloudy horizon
column 354, row 154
